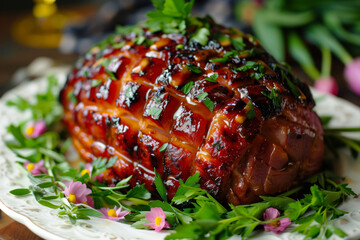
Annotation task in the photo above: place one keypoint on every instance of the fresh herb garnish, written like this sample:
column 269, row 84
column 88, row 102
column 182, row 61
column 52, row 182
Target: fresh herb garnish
column 111, row 74
column 293, row 88
column 170, row 16
column 226, row 57
column 72, row 97
column 194, row 68
column 201, row 36
column 212, row 78
column 218, row 145
column 180, row 46
column 155, row 112
column 130, row 92
column 187, row 87
column 238, row 43
column 118, row 45
column 202, row 96
column 95, row 82
column 250, row 65
column 163, row 147
column 251, row 111
column 209, row 104
column 274, row 96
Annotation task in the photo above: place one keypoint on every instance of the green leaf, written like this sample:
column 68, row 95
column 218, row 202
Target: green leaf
column 238, row 43
column 212, row 78
column 20, row 191
column 163, row 147
column 95, row 83
column 274, row 96
column 48, row 204
column 90, row 212
column 251, row 113
column 46, row 185
column 155, row 112
column 293, row 88
column 158, row 4
column 278, row 202
column 202, row 96
column 187, row 87
column 194, row 68
column 209, row 104
column 320, row 35
column 337, row 231
column 201, row 36
column 300, row 53
column 250, row 229
column 160, row 186
column 139, row 191
column 270, row 35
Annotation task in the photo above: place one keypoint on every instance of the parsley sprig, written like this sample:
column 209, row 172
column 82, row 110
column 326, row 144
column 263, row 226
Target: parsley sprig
column 170, row 16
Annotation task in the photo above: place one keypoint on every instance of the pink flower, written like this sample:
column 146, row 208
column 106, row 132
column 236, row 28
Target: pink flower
column 89, row 201
column 275, row 226
column 327, row 85
column 35, row 169
column 352, row 75
column 34, row 129
column 77, row 192
column 88, row 168
column 113, row 213
column 157, row 219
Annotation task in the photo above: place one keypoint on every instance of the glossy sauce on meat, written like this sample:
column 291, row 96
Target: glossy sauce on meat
column 237, row 117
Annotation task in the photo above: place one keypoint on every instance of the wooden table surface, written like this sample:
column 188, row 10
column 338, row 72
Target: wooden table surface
column 14, row 56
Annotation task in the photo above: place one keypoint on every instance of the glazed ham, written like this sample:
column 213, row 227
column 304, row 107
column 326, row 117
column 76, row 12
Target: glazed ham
column 225, row 109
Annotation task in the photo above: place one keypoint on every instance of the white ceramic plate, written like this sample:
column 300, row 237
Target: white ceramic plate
column 44, row 221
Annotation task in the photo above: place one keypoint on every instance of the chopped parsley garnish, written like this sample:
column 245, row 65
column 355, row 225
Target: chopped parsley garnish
column 187, row 87
column 274, row 96
column 202, row 96
column 238, row 43
column 72, row 98
column 118, row 45
column 111, row 74
column 293, row 88
column 106, row 62
column 95, row 82
column 155, row 112
column 251, row 111
column 257, row 76
column 170, row 16
column 131, row 91
column 163, row 147
column 226, row 57
column 194, row 68
column 86, row 73
column 218, row 145
column 201, row 36
column 212, row 78
column 250, row 65
column 209, row 104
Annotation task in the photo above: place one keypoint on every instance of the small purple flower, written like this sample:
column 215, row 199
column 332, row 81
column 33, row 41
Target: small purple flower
column 77, row 192
column 113, row 213
column 327, row 85
column 34, row 129
column 35, row 169
column 275, row 226
column 352, row 75
column 157, row 219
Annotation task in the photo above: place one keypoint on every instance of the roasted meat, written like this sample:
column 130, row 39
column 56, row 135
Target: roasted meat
column 226, row 109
